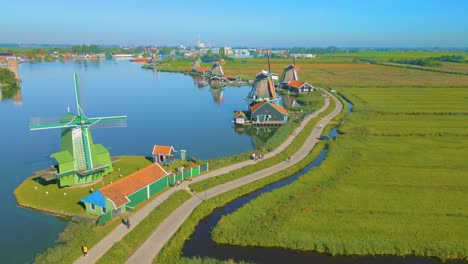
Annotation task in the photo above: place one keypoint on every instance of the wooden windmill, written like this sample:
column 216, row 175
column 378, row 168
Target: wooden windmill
column 80, row 160
column 263, row 88
column 217, row 69
column 289, row 74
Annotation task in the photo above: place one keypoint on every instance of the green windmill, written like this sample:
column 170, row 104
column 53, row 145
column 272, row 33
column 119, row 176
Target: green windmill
column 80, row 160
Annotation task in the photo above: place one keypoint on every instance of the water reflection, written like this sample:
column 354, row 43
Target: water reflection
column 258, row 135
column 11, row 93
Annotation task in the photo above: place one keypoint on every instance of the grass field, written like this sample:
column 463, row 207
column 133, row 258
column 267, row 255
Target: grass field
column 395, row 183
column 65, row 201
column 338, row 72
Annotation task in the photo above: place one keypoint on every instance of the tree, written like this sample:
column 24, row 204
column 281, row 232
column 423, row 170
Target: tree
column 221, row 53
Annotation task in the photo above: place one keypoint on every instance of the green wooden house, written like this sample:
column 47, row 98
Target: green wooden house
column 267, row 111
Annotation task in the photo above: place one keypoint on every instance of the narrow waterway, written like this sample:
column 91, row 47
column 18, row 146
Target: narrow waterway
column 200, row 243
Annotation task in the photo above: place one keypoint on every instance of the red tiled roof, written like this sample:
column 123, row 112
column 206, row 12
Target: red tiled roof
column 118, row 191
column 162, row 150
column 280, row 109
column 277, row 107
column 254, row 107
column 239, row 113
column 295, row 84
column 230, row 76
column 202, row 69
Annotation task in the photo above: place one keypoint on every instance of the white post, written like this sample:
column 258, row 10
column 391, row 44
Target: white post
column 207, row 166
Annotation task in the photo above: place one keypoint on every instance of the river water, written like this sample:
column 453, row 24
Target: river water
column 162, row 108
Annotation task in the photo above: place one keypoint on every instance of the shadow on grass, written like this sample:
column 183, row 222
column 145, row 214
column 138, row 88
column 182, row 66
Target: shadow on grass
column 44, row 182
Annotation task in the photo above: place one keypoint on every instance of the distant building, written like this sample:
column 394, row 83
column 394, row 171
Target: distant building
column 204, row 71
column 8, row 61
column 299, row 87
column 201, row 45
column 304, row 55
column 228, row 51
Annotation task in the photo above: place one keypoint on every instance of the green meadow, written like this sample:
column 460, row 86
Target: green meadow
column 395, row 182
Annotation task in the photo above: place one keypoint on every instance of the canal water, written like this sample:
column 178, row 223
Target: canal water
column 162, row 108
column 201, row 245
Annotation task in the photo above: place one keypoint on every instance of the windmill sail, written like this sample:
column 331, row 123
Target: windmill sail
column 88, row 159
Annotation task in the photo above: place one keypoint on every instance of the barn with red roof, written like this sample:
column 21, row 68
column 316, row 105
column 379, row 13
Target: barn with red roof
column 127, row 192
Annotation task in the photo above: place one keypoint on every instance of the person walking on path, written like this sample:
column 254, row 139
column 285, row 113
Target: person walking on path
column 85, row 251
column 128, row 223
column 178, row 183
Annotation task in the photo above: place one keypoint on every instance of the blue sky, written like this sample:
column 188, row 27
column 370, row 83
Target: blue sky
column 253, row 23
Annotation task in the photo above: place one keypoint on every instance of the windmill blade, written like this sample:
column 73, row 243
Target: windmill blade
column 268, row 58
column 108, row 122
column 79, row 107
column 38, row 123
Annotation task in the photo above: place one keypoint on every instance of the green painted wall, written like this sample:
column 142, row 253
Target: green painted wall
column 109, row 205
column 137, row 197
column 67, row 180
column 171, row 180
column 195, row 171
column 97, row 209
column 100, row 156
column 158, row 185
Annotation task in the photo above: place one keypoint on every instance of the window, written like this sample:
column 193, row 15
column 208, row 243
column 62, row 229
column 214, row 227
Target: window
column 103, row 210
column 93, row 207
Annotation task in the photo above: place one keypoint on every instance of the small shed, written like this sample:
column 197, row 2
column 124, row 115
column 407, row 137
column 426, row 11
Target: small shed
column 163, row 154
column 299, row 87
column 231, row 77
column 204, row 71
column 266, row 111
column 239, row 117
column 216, row 81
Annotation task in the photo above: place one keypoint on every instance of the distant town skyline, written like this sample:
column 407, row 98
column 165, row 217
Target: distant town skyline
column 341, row 23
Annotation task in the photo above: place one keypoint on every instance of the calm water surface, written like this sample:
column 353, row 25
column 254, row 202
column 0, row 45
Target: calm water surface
column 162, row 108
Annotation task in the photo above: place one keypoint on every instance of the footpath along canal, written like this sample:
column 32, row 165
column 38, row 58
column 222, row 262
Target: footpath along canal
column 152, row 246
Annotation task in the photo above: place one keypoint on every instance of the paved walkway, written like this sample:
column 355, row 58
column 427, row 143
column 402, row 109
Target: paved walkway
column 152, row 246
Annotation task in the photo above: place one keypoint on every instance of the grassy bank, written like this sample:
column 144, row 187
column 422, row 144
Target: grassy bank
column 36, row 194
column 310, row 102
column 123, row 249
column 395, row 183
column 259, row 165
column 171, row 253
column 68, row 246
